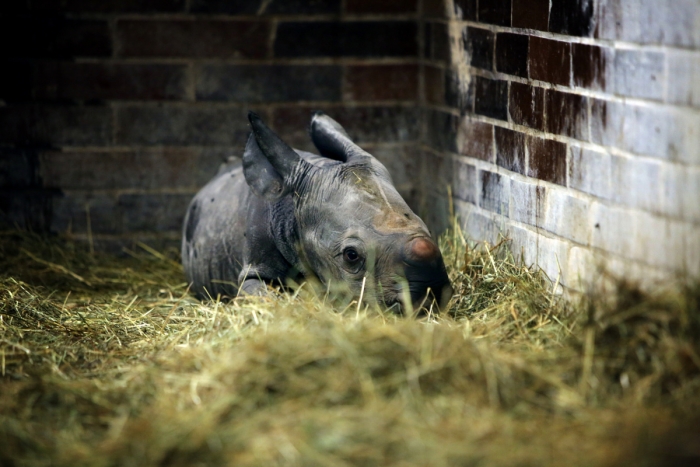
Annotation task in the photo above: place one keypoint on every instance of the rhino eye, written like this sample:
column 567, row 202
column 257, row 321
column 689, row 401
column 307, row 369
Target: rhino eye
column 351, row 255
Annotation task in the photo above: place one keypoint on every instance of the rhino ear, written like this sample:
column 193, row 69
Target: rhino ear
column 267, row 161
column 331, row 139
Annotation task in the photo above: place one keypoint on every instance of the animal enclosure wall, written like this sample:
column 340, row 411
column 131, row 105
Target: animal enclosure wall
column 570, row 126
column 116, row 112
column 573, row 128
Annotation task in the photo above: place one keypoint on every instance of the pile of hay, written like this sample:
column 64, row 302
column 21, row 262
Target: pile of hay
column 109, row 361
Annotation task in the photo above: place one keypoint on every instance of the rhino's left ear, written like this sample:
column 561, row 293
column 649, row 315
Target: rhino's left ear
column 331, row 139
column 268, row 162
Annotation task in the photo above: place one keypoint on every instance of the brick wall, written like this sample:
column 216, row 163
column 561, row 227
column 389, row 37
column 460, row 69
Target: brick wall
column 572, row 127
column 114, row 112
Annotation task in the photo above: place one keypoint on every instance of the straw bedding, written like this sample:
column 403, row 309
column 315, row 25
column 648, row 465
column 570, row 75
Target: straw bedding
column 108, row 361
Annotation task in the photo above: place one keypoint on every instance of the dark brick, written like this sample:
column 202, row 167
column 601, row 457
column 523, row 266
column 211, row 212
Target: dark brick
column 149, row 169
column 589, row 64
column 26, row 209
column 373, row 124
column 434, row 85
column 438, row 44
column 550, row 61
column 510, row 149
column 18, row 168
column 567, row 114
column 479, row 45
column 188, row 38
column 55, row 125
column 179, row 125
column 54, row 38
column 380, row 82
column 491, row 98
column 69, row 80
column 438, row 172
column 347, row 39
column 258, row 7
column 458, row 94
column 230, row 7
column 511, row 54
column 495, row 12
column 433, row 9
column 15, row 8
column 464, row 182
column 572, row 17
column 476, row 139
column 381, row 6
column 268, row 83
column 107, row 6
column 72, row 213
column 153, row 212
column 531, row 14
column 16, row 85
column 526, row 105
column 466, row 9
column 493, row 196
column 547, row 160
column 442, row 130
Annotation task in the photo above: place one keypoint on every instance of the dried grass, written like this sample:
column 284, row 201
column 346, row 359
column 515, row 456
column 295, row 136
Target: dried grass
column 108, row 361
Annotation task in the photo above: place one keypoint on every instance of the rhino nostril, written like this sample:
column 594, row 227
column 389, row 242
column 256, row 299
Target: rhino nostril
column 422, row 249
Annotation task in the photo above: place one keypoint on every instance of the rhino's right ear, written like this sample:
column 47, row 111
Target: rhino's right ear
column 268, row 161
column 331, row 139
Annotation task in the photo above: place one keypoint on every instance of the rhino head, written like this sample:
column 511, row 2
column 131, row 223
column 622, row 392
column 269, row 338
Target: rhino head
column 351, row 225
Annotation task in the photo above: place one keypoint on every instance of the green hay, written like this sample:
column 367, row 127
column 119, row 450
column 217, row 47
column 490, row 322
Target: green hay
column 108, row 361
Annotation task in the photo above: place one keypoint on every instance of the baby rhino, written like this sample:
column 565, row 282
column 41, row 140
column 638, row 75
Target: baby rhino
column 335, row 217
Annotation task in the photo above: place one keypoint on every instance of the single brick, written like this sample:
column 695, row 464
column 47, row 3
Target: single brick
column 464, row 181
column 380, row 82
column 78, row 212
column 495, row 12
column 434, row 85
column 466, row 9
column 268, row 83
column 475, row 139
column 165, row 168
column 491, row 98
column 54, row 38
column 572, row 17
column 531, row 14
column 190, row 38
column 478, row 44
column 108, row 6
column 346, row 39
column 381, row 6
column 18, row 168
column 442, row 130
column 177, row 125
column 229, row 7
column 512, row 53
column 567, row 114
column 527, row 202
column 639, row 74
column 459, row 93
column 546, row 160
column 526, row 105
column 69, row 80
column 681, row 189
column 637, row 182
column 440, row 48
column 55, row 125
column 589, row 171
column 495, row 192
column 684, row 80
column 152, row 212
column 433, row 9
column 592, row 66
column 510, row 149
column 567, row 216
column 550, row 61
column 476, row 225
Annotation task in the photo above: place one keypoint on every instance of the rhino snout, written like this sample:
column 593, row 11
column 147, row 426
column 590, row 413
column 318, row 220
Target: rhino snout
column 425, row 273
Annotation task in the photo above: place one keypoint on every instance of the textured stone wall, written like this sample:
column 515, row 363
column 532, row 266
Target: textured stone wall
column 573, row 128
column 114, row 112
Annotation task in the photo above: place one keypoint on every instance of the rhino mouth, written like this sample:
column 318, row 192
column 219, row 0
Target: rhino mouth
column 424, row 298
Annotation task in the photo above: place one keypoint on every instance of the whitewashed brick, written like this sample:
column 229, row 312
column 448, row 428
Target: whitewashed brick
column 567, row 216
column 640, row 73
column 553, row 257
column 681, row 188
column 684, row 77
column 692, row 250
column 523, row 244
column 527, row 202
column 657, row 241
column 476, row 226
column 589, row 171
column 612, row 229
column 637, row 182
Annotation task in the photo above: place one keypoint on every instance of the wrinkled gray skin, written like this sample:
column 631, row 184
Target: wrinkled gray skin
column 335, row 217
